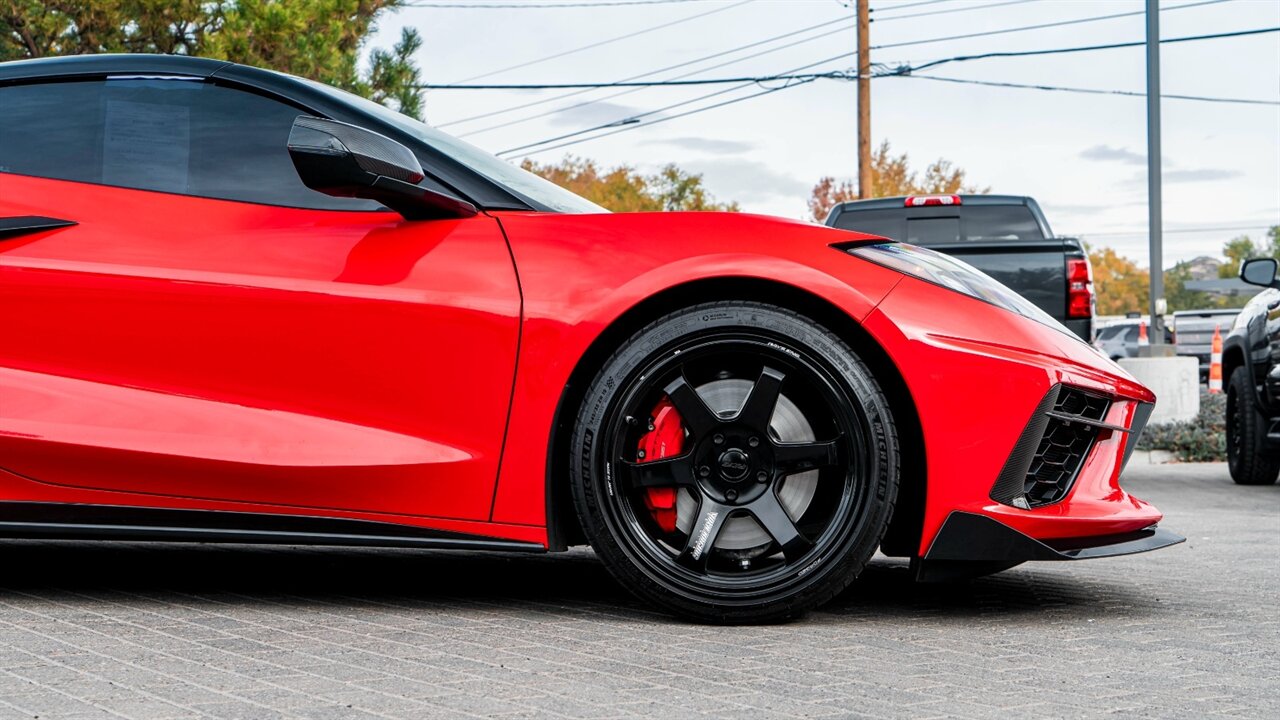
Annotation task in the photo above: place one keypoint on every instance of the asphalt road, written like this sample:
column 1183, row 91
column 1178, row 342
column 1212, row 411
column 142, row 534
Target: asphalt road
column 172, row 631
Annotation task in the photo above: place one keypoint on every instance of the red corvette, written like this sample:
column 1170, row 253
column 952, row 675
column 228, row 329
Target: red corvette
column 240, row 306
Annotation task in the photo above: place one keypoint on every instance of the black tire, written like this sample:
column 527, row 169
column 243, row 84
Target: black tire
column 806, row 555
column 1246, row 433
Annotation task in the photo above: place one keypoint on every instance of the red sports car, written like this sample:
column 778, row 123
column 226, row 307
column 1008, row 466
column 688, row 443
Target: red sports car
column 242, row 306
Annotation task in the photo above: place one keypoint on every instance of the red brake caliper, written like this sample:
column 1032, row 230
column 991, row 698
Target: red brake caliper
column 666, row 439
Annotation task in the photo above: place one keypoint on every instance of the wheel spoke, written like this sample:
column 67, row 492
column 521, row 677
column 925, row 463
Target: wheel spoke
column 702, row 536
column 668, row 472
column 757, row 411
column 694, row 413
column 770, row 513
column 792, row 458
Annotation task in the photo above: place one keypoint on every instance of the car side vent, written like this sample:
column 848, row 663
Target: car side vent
column 1052, row 448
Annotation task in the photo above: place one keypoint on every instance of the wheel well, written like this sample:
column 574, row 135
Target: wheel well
column 903, row 535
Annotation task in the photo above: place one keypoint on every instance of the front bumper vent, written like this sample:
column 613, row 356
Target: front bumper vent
column 1052, row 448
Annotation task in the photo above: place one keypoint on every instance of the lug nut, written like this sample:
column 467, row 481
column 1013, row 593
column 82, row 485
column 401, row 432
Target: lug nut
column 753, row 442
column 731, row 495
column 762, row 476
column 704, row 471
column 718, row 439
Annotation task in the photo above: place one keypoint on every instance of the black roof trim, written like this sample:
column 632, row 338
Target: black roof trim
column 109, row 64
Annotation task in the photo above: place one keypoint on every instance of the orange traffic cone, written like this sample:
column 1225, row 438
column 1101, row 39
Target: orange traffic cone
column 1215, row 363
column 1142, row 334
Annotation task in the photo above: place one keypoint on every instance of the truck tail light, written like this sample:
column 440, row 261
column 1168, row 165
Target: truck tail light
column 922, row 200
column 1079, row 288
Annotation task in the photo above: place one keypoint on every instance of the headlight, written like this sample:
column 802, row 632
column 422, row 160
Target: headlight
column 953, row 274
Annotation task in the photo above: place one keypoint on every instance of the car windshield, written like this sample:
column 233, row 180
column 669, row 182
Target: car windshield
column 496, row 169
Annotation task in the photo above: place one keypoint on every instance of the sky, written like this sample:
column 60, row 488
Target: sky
column 1082, row 156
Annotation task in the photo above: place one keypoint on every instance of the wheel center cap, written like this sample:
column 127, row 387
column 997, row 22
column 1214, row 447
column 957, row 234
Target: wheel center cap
column 734, row 464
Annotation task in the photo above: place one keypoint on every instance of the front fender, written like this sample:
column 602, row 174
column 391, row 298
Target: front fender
column 580, row 274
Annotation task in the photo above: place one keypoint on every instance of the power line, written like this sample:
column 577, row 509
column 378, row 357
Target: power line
column 968, row 8
column 839, row 22
column 611, row 96
column 525, row 6
column 643, row 83
column 633, row 120
column 618, row 38
column 663, row 119
column 901, row 70
column 908, row 69
column 1041, row 26
column 1092, row 91
column 914, row 4
column 843, row 22
column 1143, row 232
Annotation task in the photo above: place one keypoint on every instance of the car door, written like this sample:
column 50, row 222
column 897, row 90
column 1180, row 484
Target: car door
column 183, row 318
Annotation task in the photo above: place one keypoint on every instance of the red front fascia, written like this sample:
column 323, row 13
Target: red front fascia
column 579, row 273
column 977, row 373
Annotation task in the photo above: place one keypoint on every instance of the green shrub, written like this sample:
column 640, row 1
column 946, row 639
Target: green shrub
column 1202, row 439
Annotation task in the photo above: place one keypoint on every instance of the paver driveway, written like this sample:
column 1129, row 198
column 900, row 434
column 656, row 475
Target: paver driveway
column 169, row 631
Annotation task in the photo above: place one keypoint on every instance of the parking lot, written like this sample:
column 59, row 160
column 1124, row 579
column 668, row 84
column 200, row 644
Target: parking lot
column 168, row 631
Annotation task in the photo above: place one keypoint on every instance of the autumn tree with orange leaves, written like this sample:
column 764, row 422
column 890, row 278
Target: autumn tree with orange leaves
column 891, row 175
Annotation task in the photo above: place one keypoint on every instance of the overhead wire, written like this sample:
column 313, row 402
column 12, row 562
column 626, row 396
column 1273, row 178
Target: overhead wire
column 1041, row 26
column 842, row 22
column 632, row 122
column 1091, row 91
column 600, row 43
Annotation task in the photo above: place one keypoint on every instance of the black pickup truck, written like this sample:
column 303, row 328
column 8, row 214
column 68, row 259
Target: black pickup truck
column 1251, row 367
column 1005, row 236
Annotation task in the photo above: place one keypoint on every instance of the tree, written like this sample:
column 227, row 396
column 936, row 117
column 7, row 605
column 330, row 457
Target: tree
column 1241, row 248
column 891, row 175
column 622, row 189
column 316, row 39
column 1119, row 284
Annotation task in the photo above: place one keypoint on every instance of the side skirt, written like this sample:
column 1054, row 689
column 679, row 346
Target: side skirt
column 63, row 521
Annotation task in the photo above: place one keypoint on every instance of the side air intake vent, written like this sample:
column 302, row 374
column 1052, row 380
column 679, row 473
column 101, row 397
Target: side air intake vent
column 1052, row 448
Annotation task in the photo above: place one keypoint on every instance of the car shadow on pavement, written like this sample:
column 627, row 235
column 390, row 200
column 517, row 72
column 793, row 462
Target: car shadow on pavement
column 565, row 583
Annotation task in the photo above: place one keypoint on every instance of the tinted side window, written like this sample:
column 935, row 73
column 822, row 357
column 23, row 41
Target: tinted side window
column 1131, row 334
column 178, row 136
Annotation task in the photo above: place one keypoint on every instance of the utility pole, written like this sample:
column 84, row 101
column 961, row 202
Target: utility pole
column 864, row 100
column 1155, row 227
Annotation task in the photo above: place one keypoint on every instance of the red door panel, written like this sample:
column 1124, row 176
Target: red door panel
column 200, row 348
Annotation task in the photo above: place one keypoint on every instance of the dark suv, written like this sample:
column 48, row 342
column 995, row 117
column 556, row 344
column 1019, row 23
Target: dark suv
column 1251, row 365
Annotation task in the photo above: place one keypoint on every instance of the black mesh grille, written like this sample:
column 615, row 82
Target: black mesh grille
column 1054, row 466
column 1053, row 447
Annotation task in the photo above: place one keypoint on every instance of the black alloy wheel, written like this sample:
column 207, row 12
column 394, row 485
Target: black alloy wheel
column 772, row 476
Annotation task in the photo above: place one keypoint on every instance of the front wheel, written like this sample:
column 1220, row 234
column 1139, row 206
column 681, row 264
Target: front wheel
column 735, row 462
column 1246, row 433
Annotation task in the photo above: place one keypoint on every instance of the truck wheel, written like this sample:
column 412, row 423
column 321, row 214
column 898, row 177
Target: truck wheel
column 1246, row 433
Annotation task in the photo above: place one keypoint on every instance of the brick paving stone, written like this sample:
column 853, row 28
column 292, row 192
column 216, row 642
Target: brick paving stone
column 159, row 631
